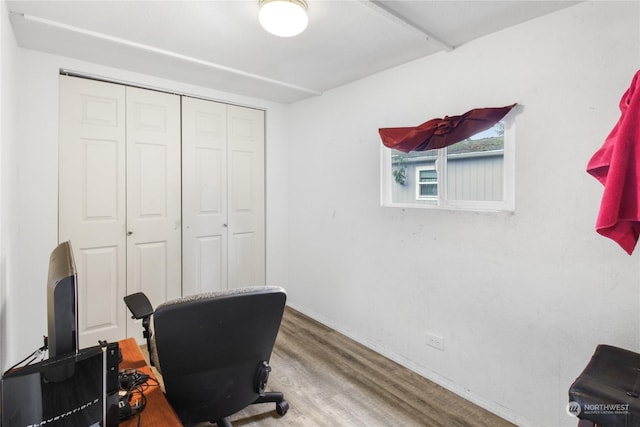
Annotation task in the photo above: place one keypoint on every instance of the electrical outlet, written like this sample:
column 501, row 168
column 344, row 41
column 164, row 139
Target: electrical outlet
column 435, row 341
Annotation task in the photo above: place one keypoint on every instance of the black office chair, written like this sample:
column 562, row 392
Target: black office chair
column 213, row 350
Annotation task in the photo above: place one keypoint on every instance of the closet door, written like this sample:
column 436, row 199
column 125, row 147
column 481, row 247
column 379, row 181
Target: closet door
column 153, row 194
column 245, row 159
column 223, row 196
column 119, row 199
column 204, row 196
column 91, row 202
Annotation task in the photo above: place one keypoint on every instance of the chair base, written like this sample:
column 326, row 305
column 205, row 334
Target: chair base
column 282, row 406
column 224, row 423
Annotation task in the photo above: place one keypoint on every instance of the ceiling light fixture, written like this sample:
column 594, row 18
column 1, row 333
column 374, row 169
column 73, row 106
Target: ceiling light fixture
column 283, row 18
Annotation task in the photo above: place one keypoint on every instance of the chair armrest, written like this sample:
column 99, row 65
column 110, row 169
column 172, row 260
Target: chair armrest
column 141, row 308
column 139, row 305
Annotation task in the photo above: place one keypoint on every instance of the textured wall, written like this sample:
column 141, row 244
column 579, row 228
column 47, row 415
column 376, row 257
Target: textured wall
column 520, row 299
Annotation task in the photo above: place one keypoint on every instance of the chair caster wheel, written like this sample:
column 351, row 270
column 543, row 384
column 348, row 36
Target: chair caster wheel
column 282, row 407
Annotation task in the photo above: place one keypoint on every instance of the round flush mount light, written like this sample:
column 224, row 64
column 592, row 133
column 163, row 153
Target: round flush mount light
column 283, row 18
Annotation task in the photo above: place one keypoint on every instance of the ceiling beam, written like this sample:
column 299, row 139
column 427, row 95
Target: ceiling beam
column 393, row 16
column 158, row 51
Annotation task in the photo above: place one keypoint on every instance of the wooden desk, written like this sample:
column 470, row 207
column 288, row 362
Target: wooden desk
column 158, row 412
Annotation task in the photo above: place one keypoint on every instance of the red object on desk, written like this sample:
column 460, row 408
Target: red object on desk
column 157, row 412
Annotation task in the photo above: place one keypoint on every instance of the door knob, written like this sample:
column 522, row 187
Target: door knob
column 129, row 233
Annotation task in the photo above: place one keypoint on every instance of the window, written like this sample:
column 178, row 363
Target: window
column 474, row 174
column 426, row 183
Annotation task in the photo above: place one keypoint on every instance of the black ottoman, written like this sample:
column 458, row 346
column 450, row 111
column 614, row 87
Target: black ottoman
column 606, row 392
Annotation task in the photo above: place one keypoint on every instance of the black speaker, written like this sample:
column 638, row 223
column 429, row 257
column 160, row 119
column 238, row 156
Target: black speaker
column 113, row 360
column 62, row 302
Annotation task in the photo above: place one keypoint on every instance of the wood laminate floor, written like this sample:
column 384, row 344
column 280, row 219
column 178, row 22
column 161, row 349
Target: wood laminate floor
column 330, row 380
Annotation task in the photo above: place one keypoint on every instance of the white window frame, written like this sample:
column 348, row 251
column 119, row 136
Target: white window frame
column 418, row 183
column 442, row 201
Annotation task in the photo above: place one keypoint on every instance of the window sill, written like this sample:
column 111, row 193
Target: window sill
column 483, row 207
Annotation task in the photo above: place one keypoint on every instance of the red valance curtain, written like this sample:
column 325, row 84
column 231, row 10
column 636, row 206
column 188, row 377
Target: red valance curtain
column 440, row 133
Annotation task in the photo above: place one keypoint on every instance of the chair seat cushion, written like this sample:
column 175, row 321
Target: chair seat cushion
column 608, row 389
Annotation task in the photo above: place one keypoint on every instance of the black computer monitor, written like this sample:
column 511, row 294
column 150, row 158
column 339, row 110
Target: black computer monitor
column 68, row 390
column 62, row 302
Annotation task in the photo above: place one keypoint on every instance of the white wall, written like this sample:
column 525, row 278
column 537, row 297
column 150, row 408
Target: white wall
column 34, row 153
column 8, row 102
column 520, row 299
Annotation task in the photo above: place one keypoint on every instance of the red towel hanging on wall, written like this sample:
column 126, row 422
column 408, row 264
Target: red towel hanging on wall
column 617, row 166
column 440, row 133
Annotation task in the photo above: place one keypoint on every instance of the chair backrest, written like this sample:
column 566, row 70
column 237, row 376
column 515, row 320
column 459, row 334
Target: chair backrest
column 210, row 349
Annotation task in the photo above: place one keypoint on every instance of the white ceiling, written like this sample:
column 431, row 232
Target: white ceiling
column 220, row 44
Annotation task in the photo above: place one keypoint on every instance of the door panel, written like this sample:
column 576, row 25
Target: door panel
column 153, row 194
column 204, row 196
column 244, row 247
column 211, row 253
column 246, row 196
column 91, row 202
column 149, row 272
column 98, row 265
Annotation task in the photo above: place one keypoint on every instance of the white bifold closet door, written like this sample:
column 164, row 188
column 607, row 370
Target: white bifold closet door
column 119, row 198
column 222, row 196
